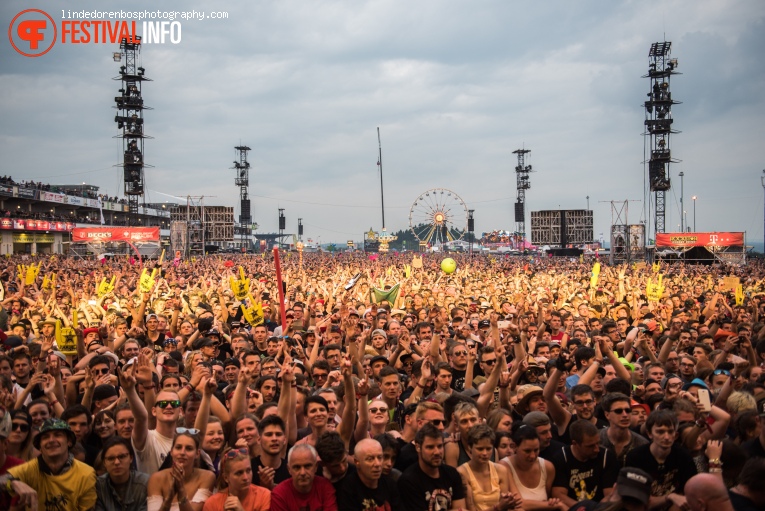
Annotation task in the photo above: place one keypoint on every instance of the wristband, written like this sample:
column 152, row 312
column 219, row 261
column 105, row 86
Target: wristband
column 421, row 386
column 189, row 387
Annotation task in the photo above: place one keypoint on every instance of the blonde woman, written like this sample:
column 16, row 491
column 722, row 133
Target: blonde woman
column 235, row 488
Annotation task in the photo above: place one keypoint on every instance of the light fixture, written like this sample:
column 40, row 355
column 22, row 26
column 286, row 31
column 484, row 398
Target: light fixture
column 117, row 56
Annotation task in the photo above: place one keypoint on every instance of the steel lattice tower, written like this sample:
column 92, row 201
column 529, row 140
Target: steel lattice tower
column 522, row 184
column 130, row 120
column 242, row 180
column 658, row 124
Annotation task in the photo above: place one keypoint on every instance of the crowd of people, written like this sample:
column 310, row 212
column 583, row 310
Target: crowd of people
column 343, row 382
column 75, row 191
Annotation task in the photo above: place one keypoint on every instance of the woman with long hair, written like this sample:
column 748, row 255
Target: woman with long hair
column 532, row 476
column 488, row 483
column 183, row 487
column 104, row 425
column 20, row 440
column 214, row 440
column 235, row 488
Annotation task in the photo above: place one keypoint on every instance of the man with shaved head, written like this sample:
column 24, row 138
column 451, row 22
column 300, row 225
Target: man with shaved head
column 705, row 492
column 367, row 488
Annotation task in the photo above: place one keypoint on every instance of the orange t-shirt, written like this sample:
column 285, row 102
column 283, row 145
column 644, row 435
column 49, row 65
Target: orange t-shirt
column 257, row 499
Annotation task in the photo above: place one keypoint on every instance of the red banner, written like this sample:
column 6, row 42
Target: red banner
column 132, row 234
column 6, row 223
column 700, row 239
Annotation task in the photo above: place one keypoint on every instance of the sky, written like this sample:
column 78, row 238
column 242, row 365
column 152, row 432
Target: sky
column 454, row 86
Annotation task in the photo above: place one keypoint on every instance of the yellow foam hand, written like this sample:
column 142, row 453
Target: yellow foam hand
column 596, row 269
column 105, row 287
column 739, row 295
column 146, row 283
column 254, row 313
column 655, row 267
column 240, row 286
column 66, row 337
column 407, row 271
column 46, row 282
column 161, row 258
column 32, row 272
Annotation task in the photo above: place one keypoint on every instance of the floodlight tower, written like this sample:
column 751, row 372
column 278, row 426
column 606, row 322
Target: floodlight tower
column 242, row 180
column 130, row 120
column 658, row 124
column 522, row 184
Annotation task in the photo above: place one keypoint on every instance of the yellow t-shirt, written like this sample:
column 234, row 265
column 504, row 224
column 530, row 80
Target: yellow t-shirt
column 74, row 490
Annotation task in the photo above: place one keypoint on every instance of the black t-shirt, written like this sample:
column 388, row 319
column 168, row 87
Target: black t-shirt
column 741, row 503
column 585, row 480
column 407, row 456
column 458, row 379
column 668, row 477
column 551, row 450
column 353, row 494
column 281, row 473
column 753, row 448
column 420, row 492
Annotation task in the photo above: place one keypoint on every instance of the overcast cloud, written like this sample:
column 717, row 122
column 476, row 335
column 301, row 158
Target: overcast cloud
column 454, row 86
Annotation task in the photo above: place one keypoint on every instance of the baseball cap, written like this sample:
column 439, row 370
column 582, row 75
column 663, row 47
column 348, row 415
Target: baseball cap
column 484, row 323
column 634, row 483
column 696, row 382
column 536, row 419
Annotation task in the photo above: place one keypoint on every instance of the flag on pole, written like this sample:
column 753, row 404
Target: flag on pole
column 101, row 210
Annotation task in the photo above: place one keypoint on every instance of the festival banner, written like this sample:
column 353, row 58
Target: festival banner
column 104, row 234
column 6, row 224
column 699, row 239
column 52, row 197
column 6, row 190
column 27, row 193
column 32, row 225
column 19, row 224
column 75, row 201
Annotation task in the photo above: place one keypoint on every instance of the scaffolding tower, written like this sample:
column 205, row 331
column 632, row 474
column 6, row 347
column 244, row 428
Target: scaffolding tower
column 195, row 226
column 242, row 180
column 129, row 119
column 658, row 128
column 522, row 184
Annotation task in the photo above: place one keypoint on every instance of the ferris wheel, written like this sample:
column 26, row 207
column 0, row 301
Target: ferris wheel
column 438, row 216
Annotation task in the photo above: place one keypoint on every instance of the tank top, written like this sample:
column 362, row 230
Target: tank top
column 482, row 499
column 540, row 492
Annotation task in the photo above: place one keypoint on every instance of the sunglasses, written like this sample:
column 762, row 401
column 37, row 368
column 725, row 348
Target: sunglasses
column 190, row 431
column 376, row 410
column 718, row 372
column 438, row 422
column 620, row 411
column 21, row 427
column 175, row 403
column 233, row 453
column 490, row 362
column 101, row 371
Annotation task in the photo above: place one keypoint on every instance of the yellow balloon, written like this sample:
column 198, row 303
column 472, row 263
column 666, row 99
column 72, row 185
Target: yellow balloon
column 448, row 265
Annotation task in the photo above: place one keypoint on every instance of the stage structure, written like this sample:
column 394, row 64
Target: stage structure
column 562, row 227
column 658, row 128
column 129, row 119
column 242, row 180
column 204, row 225
column 104, row 242
column 627, row 240
column 702, row 247
column 522, row 184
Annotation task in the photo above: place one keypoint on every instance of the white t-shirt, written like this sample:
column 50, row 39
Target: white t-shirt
column 154, row 452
